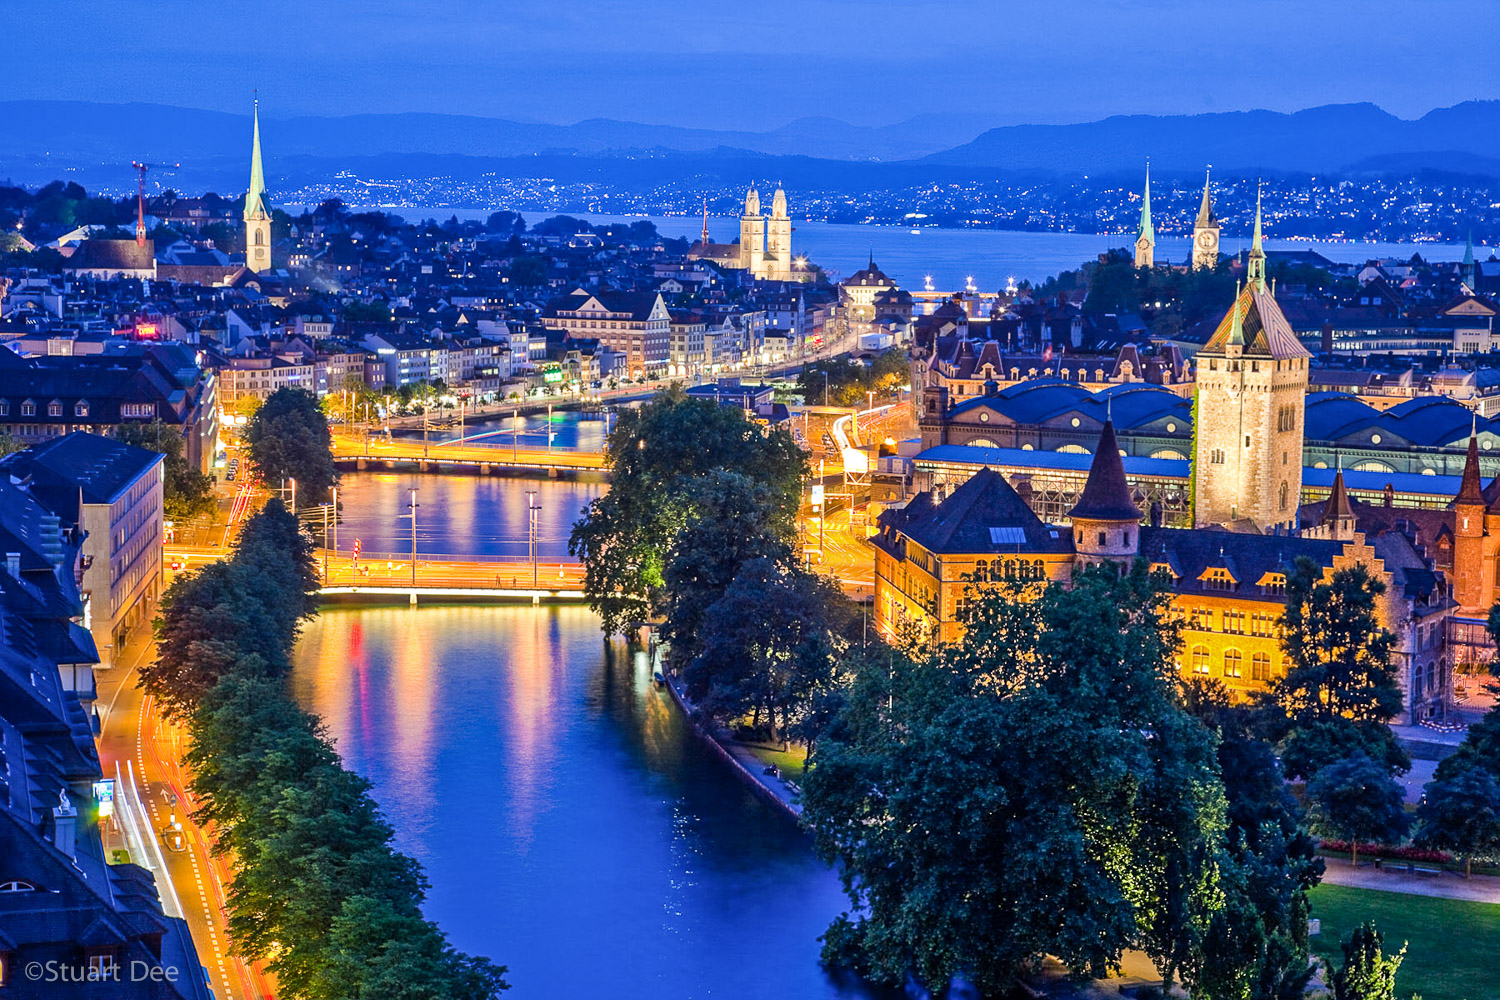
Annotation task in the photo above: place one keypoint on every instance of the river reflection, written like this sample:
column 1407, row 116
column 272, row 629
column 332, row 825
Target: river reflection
column 462, row 516
column 572, row 826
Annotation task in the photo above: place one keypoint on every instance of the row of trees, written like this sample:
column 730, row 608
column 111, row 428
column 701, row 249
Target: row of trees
column 698, row 530
column 317, row 889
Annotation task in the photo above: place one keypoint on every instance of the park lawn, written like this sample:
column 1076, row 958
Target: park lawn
column 790, row 761
column 1452, row 944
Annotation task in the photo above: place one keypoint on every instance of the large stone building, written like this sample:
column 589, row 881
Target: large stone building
column 110, row 494
column 1228, row 588
column 765, row 244
column 1252, row 381
column 635, row 325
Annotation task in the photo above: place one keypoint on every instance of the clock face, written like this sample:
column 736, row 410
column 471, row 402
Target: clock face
column 1206, row 239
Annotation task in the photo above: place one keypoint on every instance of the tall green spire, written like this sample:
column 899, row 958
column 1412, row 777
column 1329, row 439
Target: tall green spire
column 255, row 198
column 1255, row 269
column 1236, row 325
column 1146, row 229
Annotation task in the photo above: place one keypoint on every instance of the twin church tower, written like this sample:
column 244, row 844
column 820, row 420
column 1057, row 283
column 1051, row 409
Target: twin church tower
column 1205, row 232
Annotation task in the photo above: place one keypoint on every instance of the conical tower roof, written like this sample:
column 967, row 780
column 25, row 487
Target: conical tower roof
column 1470, row 493
column 1106, row 495
column 1205, row 218
column 255, row 198
column 1146, row 229
column 1338, row 507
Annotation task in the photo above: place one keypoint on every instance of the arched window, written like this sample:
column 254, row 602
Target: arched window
column 1169, row 453
column 1216, row 457
column 1260, row 667
column 1232, row 663
column 1073, row 449
column 1200, row 659
column 16, row 885
column 1373, row 466
column 1283, row 496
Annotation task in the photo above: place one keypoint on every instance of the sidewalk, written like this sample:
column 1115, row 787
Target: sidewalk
column 1447, row 885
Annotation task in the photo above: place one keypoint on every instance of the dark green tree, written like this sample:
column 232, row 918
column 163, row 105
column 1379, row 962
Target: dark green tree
column 770, row 647
column 1055, row 800
column 731, row 519
column 1356, row 799
column 1461, row 813
column 1367, row 973
column 186, row 492
column 659, row 456
column 289, row 439
column 1340, row 687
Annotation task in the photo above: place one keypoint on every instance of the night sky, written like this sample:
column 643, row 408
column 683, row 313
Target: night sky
column 756, row 65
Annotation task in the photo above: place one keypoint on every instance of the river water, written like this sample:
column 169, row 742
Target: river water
column 572, row 826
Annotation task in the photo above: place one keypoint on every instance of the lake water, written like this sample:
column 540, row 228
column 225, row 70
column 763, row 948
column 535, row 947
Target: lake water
column 571, row 824
column 952, row 256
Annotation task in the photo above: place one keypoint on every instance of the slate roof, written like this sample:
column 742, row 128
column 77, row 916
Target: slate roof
column 1426, row 421
column 112, row 255
column 962, row 522
column 1134, row 405
column 102, row 468
column 1247, row 557
column 1106, row 496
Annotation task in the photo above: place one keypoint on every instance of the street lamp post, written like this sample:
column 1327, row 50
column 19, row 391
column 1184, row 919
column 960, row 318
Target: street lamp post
column 335, row 513
column 532, row 509
column 549, row 428
column 414, row 540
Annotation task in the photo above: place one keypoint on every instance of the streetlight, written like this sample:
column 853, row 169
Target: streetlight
column 414, row 541
column 532, row 509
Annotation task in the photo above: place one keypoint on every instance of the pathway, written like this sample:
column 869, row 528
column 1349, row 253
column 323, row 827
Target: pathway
column 1448, row 885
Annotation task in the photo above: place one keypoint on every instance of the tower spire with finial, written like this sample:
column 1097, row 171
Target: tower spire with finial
column 1255, row 271
column 1206, row 208
column 705, row 220
column 255, row 198
column 1236, row 325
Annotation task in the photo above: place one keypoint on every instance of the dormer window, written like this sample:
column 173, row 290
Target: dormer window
column 81, row 408
column 1218, row 579
column 28, row 408
column 4, row 407
column 54, row 408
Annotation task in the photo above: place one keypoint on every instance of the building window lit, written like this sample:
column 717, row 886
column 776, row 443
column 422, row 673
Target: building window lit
column 1260, row 667
column 1200, row 659
column 1232, row 662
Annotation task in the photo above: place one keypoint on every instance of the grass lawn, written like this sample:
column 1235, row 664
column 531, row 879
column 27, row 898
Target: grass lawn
column 790, row 761
column 1453, row 946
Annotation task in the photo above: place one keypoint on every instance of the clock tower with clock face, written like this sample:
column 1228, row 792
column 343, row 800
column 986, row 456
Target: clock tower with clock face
column 1205, row 234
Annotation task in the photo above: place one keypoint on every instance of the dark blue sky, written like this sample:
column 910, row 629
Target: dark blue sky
column 757, row 65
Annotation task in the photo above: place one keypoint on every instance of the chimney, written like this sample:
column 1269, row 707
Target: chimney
column 1326, row 343
column 13, row 564
column 65, row 825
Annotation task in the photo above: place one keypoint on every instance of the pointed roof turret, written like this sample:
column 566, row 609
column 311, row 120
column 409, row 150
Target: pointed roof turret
column 1236, row 323
column 1206, row 218
column 1255, row 268
column 1470, row 493
column 1338, row 507
column 752, row 202
column 255, row 198
column 1146, row 230
column 1106, row 495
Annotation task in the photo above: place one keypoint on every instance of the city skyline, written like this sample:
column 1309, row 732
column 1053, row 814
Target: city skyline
column 1160, row 57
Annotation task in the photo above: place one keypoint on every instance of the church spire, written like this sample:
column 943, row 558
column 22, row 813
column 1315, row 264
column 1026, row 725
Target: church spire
column 255, row 198
column 1470, row 490
column 1468, row 264
column 1106, row 493
column 1206, row 209
column 1145, row 236
column 1146, row 229
column 705, row 220
column 1255, row 271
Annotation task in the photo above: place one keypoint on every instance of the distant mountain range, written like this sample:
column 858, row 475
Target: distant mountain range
column 1335, row 138
column 92, row 141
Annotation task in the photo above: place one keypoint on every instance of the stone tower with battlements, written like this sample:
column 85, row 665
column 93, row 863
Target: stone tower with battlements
column 1251, row 392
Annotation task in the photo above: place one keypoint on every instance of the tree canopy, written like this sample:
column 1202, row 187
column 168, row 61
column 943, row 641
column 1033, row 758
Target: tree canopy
column 289, row 439
column 186, row 492
column 1034, row 789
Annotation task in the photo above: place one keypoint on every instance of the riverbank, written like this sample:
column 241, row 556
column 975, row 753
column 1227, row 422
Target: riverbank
column 778, row 791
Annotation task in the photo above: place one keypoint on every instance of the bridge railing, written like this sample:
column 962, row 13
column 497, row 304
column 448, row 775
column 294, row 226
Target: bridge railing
column 389, row 569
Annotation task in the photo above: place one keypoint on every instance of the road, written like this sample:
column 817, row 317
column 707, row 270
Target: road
column 135, row 738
